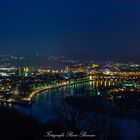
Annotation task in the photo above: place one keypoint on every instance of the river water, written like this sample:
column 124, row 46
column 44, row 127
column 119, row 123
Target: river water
column 43, row 109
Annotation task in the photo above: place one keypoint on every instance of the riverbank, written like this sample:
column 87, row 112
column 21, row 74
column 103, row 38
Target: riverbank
column 31, row 98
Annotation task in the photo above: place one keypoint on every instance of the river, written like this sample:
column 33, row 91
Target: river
column 43, row 109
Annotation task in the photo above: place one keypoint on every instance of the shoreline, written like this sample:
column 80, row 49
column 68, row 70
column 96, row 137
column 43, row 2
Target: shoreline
column 31, row 98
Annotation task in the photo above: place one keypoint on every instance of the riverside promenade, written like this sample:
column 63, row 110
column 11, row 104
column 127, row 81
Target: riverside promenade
column 31, row 97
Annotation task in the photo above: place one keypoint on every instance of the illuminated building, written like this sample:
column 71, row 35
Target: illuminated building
column 26, row 69
column 95, row 66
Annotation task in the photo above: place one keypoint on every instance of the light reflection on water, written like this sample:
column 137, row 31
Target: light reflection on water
column 43, row 107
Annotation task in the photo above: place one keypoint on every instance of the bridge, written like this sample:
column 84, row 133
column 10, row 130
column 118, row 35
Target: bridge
column 97, row 81
column 126, row 73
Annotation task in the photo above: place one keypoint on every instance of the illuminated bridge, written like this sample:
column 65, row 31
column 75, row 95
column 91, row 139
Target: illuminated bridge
column 96, row 81
column 126, row 73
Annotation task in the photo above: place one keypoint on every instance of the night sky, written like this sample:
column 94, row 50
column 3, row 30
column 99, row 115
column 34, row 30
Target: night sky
column 103, row 29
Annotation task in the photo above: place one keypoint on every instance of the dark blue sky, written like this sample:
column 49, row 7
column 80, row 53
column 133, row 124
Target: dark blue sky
column 101, row 29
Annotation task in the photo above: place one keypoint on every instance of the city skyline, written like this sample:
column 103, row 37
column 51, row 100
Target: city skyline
column 102, row 30
column 70, row 69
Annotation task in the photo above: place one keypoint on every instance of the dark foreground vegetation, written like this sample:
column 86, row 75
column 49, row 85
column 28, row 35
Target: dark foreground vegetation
column 91, row 115
column 15, row 125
